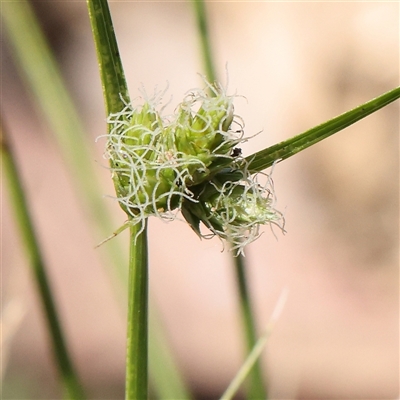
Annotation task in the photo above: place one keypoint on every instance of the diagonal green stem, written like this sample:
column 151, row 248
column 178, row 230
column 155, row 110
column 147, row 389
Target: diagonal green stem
column 40, row 71
column 280, row 151
column 137, row 331
column 35, row 61
column 72, row 387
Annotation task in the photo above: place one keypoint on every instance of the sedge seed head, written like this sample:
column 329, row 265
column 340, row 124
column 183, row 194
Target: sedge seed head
column 187, row 163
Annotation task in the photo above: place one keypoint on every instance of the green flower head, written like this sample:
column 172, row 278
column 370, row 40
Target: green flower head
column 142, row 174
column 155, row 160
column 188, row 162
column 202, row 134
column 206, row 132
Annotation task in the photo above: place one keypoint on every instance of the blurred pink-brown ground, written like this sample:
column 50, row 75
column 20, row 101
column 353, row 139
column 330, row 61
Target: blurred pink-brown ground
column 297, row 64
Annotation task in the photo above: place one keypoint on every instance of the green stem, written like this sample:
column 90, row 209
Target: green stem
column 114, row 86
column 35, row 61
column 115, row 89
column 280, row 151
column 256, row 388
column 137, row 348
column 72, row 387
column 201, row 19
column 40, row 71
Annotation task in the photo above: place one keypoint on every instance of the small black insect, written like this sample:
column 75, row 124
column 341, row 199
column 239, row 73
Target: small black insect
column 236, row 152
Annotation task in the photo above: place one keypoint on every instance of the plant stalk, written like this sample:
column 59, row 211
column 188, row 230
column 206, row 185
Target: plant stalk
column 71, row 385
column 202, row 25
column 281, row 151
column 34, row 59
column 137, row 330
column 40, row 71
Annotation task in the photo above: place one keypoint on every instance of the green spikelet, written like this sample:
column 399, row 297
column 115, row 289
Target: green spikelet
column 185, row 163
column 233, row 206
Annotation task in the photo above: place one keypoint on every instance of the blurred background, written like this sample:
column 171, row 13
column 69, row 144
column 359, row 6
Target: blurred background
column 297, row 65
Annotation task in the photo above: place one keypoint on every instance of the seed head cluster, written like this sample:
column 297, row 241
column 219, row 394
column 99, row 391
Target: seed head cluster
column 188, row 162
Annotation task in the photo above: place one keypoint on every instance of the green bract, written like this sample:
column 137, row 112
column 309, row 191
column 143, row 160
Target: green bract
column 186, row 162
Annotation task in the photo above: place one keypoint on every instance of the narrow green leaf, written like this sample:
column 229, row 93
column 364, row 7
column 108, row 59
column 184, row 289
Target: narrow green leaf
column 280, row 151
column 40, row 70
column 71, row 385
